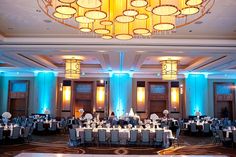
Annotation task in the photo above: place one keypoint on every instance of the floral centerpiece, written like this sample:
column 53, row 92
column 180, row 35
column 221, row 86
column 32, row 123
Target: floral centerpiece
column 198, row 114
column 6, row 116
column 131, row 112
column 47, row 112
column 154, row 117
column 165, row 112
column 81, row 112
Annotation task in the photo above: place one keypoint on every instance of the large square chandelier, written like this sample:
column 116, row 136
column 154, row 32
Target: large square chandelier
column 169, row 69
column 72, row 68
column 125, row 19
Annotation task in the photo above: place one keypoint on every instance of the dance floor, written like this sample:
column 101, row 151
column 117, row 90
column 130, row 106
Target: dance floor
column 88, row 155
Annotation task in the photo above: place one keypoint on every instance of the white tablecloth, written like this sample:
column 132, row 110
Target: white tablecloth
column 124, row 134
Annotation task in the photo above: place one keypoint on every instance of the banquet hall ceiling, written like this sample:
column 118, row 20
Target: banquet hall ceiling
column 30, row 41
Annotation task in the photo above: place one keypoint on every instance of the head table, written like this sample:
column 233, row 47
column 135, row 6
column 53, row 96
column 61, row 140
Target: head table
column 124, row 134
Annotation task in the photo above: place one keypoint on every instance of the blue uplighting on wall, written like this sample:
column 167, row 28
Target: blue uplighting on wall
column 196, row 94
column 120, row 89
column 45, row 87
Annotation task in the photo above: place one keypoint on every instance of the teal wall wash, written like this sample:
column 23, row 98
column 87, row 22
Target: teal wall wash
column 45, row 92
column 4, row 83
column 42, row 91
column 199, row 93
column 120, row 93
column 196, row 94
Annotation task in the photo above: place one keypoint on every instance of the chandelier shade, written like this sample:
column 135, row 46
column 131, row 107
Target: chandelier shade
column 72, row 68
column 169, row 69
column 152, row 16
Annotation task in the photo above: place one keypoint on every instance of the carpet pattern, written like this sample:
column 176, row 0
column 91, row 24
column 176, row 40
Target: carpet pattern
column 58, row 144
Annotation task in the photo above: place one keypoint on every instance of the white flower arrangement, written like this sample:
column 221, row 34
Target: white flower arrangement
column 198, row 113
column 6, row 115
column 154, row 117
column 46, row 111
column 165, row 112
column 81, row 110
column 88, row 116
column 131, row 112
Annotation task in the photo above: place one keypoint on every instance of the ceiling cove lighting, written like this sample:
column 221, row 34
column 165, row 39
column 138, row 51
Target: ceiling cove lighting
column 169, row 69
column 72, row 68
column 125, row 19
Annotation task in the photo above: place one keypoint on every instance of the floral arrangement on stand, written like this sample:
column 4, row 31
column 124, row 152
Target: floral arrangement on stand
column 154, row 117
column 131, row 112
column 6, row 116
column 166, row 112
column 198, row 114
column 81, row 112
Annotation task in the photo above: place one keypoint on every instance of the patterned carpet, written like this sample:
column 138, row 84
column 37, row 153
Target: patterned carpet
column 58, row 144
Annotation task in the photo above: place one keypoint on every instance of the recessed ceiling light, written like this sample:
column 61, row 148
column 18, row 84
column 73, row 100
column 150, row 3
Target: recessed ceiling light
column 198, row 22
column 173, row 52
column 102, row 51
column 140, row 51
column 47, row 21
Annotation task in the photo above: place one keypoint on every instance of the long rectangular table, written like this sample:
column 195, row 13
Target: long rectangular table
column 124, row 134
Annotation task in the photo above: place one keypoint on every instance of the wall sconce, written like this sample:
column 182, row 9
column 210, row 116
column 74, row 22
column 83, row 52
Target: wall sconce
column 61, row 87
column 100, row 95
column 181, row 89
column 175, row 96
column 140, row 96
column 66, row 95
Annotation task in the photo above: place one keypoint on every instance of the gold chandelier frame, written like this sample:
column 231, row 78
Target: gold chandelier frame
column 181, row 20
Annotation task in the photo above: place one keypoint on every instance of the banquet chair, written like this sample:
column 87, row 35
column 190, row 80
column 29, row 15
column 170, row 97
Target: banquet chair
column 15, row 134
column 62, row 126
column 74, row 126
column 206, row 128
column 158, row 140
column 102, row 136
column 145, row 137
column 74, row 141
column 234, row 137
column 40, row 127
column 114, row 137
column 223, row 139
column 53, row 127
column 133, row 140
column 1, row 134
column 88, row 138
column 175, row 141
column 215, row 137
column 31, row 132
column 193, row 128
column 25, row 135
